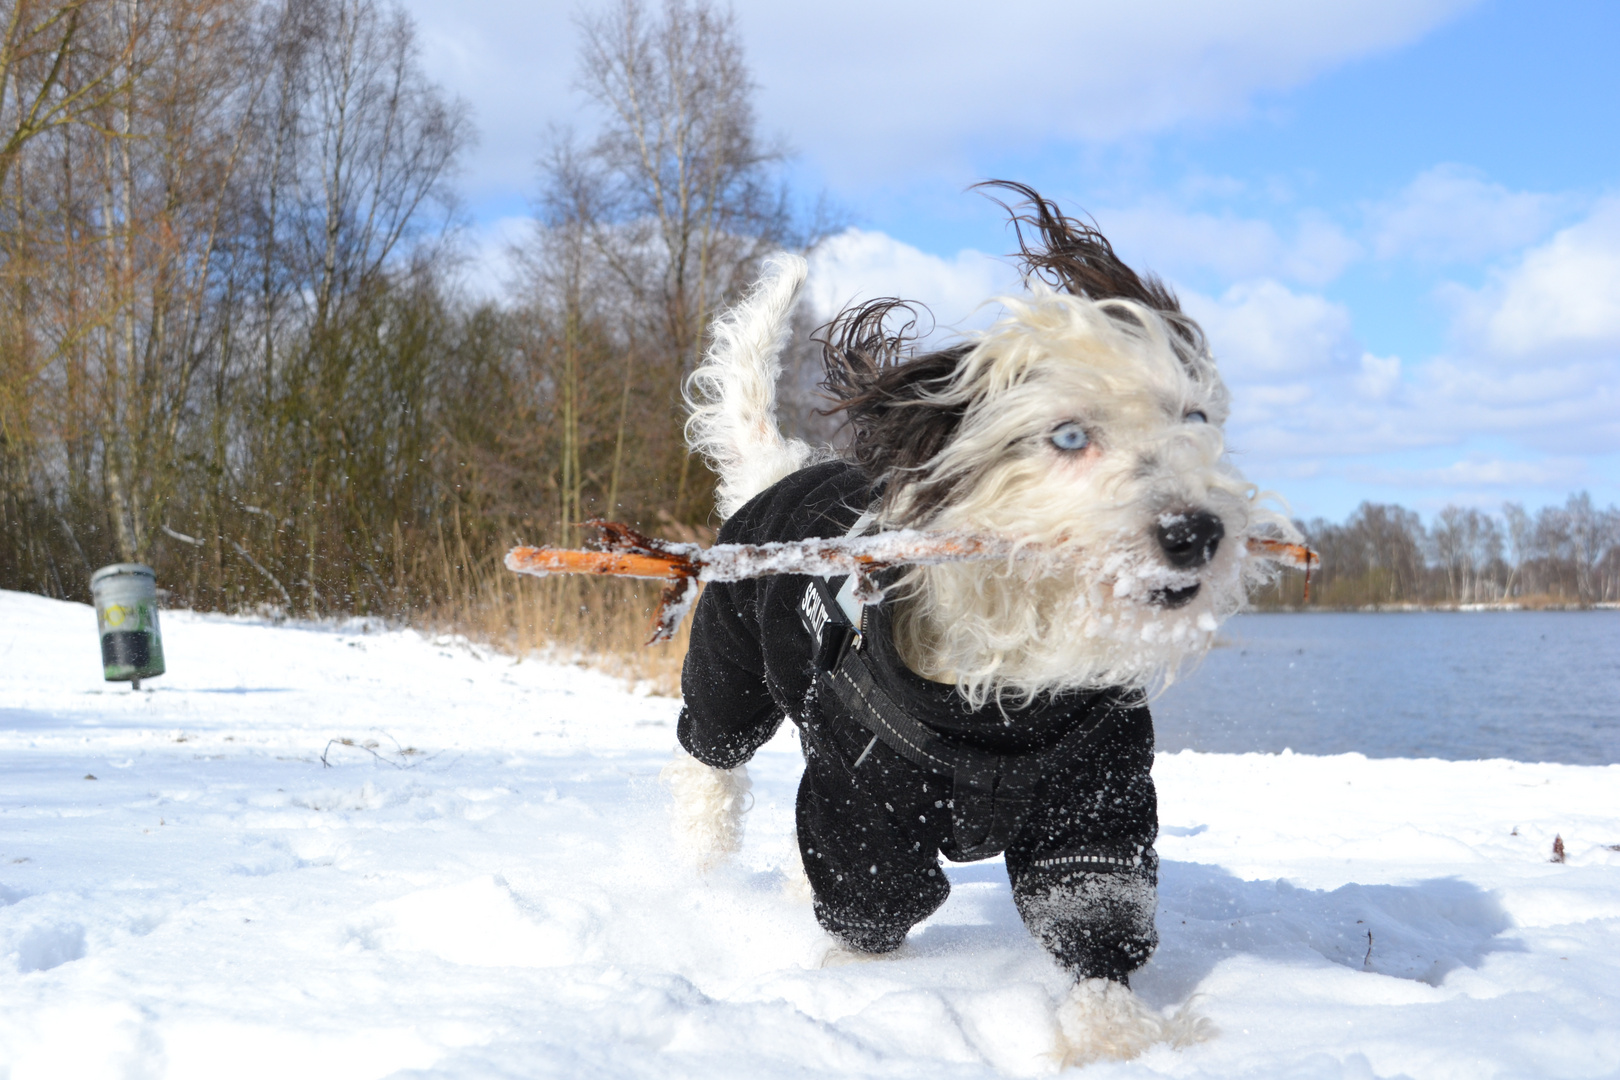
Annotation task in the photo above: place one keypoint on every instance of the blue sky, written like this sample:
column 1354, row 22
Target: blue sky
column 1398, row 221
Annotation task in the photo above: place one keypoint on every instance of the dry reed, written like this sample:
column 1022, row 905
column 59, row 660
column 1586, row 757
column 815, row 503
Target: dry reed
column 603, row 624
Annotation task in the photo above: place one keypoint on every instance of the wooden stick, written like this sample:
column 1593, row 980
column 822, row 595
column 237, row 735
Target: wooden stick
column 1298, row 556
column 541, row 561
column 628, row 553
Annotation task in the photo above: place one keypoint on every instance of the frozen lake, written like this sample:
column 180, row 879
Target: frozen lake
column 1531, row 686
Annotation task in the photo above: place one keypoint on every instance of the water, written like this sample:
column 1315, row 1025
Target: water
column 1531, row 686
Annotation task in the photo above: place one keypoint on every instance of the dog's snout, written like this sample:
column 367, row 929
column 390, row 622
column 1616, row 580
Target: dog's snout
column 1190, row 539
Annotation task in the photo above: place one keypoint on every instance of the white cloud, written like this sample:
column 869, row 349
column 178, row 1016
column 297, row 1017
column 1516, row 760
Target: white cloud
column 1570, row 409
column 1451, row 213
column 1172, row 241
column 1379, row 376
column 861, row 265
column 1303, row 388
column 514, row 63
column 1561, row 300
column 908, row 85
column 1319, row 252
column 1261, row 330
column 871, row 91
column 1477, row 470
column 1535, row 354
column 489, row 267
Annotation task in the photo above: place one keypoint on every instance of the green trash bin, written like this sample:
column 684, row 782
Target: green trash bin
column 127, row 615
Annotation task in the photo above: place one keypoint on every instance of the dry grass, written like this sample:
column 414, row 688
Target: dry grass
column 601, row 623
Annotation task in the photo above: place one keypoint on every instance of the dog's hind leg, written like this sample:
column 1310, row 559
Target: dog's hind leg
column 707, row 820
column 869, row 849
column 732, row 394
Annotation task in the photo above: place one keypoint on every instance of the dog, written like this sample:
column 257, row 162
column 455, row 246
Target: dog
column 990, row 707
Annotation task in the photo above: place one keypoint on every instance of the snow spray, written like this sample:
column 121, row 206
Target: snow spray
column 126, row 613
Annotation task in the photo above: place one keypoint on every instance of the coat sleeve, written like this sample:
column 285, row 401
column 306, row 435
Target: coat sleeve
column 1084, row 873
column 728, row 710
column 748, row 662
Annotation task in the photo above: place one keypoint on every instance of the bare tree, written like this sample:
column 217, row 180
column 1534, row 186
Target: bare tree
column 673, row 203
column 352, row 190
column 245, row 191
column 132, row 200
column 1468, row 547
column 55, row 70
column 1520, row 531
column 1591, row 534
column 51, row 71
column 385, row 140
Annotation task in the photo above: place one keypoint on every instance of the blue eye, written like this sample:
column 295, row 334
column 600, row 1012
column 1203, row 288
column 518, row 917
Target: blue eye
column 1196, row 417
column 1070, row 437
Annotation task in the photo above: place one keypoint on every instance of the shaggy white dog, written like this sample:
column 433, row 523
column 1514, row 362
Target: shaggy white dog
column 1084, row 425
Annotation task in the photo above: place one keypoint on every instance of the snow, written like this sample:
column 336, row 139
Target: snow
column 504, row 901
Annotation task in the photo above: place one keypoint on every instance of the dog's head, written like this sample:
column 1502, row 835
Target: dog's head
column 1085, row 425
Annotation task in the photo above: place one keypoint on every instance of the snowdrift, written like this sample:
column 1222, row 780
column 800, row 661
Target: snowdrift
column 479, row 883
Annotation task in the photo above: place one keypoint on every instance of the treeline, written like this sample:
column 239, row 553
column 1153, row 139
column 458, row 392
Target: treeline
column 1384, row 555
column 231, row 345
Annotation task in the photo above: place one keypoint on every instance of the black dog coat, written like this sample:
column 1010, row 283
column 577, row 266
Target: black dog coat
column 1077, row 827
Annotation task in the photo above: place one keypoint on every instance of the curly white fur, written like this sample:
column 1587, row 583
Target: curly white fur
column 1102, row 1020
column 1083, row 614
column 732, row 394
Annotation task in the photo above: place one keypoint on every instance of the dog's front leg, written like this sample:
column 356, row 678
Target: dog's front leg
column 1099, row 924
column 1096, row 923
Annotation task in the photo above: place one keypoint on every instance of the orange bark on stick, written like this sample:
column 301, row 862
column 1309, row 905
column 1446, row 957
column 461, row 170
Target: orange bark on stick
column 1297, row 555
column 549, row 560
column 627, row 553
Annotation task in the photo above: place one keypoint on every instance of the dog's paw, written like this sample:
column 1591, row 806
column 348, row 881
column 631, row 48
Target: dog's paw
column 1185, row 1027
column 834, row 953
column 1102, row 1020
column 707, row 818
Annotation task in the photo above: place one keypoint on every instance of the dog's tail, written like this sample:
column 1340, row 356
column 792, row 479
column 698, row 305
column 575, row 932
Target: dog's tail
column 732, row 394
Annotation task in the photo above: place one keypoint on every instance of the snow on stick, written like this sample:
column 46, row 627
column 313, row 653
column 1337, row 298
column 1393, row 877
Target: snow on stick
column 624, row 552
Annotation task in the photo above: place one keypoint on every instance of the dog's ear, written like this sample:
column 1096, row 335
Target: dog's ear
column 859, row 343
column 890, row 397
column 1074, row 256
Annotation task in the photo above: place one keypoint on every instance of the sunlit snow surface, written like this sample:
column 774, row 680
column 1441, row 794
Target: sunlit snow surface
column 217, row 903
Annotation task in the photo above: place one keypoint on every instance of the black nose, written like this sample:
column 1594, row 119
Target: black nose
column 1190, row 539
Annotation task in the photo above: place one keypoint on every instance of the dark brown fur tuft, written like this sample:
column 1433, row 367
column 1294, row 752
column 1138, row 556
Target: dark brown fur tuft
column 1075, row 257
column 884, row 391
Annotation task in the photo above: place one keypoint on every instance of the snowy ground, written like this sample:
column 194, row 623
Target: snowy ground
column 187, row 891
